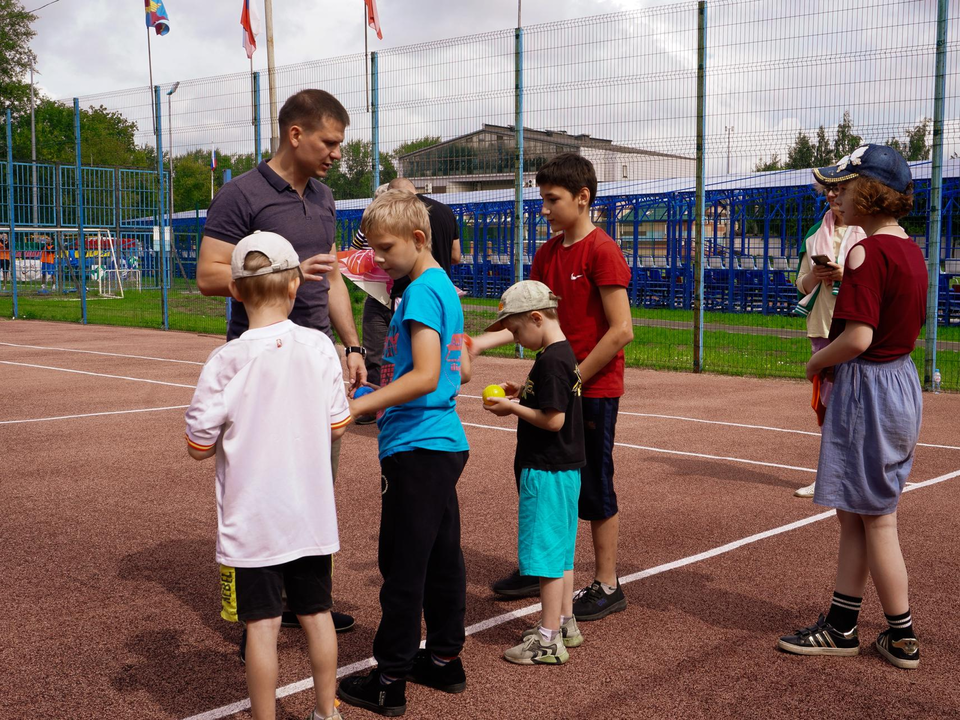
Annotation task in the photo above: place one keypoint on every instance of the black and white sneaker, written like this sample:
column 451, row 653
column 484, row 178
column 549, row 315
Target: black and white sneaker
column 516, row 585
column 593, row 603
column 368, row 692
column 821, row 638
column 903, row 653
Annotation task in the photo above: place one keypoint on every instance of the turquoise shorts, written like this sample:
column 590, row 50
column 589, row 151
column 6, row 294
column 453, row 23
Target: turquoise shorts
column 547, row 533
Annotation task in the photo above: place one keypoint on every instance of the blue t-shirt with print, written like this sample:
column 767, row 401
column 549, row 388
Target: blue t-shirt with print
column 429, row 422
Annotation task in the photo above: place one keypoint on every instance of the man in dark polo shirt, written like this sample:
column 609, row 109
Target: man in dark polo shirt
column 284, row 195
column 445, row 246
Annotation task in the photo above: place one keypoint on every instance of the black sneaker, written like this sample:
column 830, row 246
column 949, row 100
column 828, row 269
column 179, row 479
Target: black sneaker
column 592, row 603
column 516, row 585
column 368, row 692
column 450, row 678
column 821, row 638
column 904, row 653
column 341, row 621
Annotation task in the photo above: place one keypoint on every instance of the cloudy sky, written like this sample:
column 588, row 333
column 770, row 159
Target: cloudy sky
column 96, row 46
column 775, row 67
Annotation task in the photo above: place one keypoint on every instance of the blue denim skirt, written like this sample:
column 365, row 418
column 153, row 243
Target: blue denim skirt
column 869, row 435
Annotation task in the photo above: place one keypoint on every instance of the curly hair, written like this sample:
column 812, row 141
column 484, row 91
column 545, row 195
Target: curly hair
column 872, row 197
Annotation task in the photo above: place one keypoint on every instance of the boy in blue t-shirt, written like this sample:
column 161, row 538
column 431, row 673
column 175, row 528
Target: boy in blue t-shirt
column 423, row 450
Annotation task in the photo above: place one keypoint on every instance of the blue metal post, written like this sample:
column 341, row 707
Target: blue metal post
column 81, row 238
column 936, row 198
column 518, row 171
column 700, row 211
column 162, row 216
column 256, row 118
column 12, row 242
column 375, row 122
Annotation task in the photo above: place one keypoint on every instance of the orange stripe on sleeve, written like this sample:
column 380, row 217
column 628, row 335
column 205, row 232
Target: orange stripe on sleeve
column 342, row 423
column 198, row 446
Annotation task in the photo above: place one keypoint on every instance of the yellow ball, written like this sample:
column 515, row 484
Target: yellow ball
column 492, row 391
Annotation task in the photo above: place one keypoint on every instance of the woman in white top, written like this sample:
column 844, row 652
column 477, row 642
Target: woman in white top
column 822, row 257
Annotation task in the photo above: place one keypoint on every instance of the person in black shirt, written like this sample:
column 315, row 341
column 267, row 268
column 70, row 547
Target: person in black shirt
column 550, row 453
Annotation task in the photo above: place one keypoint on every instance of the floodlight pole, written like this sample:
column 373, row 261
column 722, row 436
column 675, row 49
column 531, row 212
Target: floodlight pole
column 170, row 92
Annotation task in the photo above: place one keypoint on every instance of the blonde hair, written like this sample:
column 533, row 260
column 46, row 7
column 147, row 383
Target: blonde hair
column 264, row 290
column 398, row 213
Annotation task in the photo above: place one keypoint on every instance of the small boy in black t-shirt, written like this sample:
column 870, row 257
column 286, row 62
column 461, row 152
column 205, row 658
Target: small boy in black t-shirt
column 550, row 453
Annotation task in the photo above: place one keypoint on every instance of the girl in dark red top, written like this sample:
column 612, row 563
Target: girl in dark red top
column 872, row 419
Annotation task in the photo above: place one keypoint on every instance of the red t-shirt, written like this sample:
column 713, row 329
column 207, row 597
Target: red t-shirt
column 888, row 292
column 575, row 274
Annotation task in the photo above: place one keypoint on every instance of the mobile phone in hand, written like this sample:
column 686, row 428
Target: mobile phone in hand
column 821, row 260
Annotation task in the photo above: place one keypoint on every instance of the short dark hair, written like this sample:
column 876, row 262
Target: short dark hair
column 872, row 197
column 570, row 171
column 308, row 108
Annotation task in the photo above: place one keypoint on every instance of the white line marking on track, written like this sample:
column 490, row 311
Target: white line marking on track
column 84, row 372
column 307, row 684
column 738, row 425
column 96, row 414
column 95, row 352
column 673, row 452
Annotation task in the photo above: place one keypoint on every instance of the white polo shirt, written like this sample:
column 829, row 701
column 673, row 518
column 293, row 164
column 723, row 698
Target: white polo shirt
column 268, row 401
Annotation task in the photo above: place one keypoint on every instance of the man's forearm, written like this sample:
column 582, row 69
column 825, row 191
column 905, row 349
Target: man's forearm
column 213, row 278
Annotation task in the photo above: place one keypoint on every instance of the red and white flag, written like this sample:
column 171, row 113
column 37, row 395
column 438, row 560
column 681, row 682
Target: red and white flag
column 251, row 27
column 373, row 17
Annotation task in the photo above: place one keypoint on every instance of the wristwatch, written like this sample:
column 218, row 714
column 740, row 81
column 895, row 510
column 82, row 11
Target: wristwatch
column 355, row 349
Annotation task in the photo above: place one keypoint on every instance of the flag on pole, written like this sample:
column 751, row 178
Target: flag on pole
column 373, row 17
column 251, row 27
column 213, row 159
column 157, row 16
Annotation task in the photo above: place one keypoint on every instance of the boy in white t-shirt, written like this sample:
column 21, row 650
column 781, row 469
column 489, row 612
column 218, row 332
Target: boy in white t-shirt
column 268, row 404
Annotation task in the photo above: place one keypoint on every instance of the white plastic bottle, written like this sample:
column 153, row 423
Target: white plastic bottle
column 936, row 381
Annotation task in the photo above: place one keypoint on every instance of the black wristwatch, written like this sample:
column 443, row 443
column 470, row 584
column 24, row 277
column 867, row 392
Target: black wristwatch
column 355, row 349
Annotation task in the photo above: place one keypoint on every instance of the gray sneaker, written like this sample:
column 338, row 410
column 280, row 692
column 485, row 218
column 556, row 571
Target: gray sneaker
column 535, row 651
column 569, row 632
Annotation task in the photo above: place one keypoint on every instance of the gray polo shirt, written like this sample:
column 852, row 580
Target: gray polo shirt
column 262, row 200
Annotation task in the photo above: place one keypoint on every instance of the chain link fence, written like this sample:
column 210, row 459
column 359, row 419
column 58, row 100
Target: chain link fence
column 787, row 87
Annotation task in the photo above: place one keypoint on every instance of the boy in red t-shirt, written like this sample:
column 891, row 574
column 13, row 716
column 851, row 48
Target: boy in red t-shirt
column 584, row 267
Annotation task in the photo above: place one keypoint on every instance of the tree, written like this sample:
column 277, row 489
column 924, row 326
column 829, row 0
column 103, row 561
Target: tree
column 822, row 152
column 773, row 164
column 107, row 137
column 801, row 155
column 845, row 141
column 352, row 176
column 16, row 57
column 917, row 148
column 414, row 145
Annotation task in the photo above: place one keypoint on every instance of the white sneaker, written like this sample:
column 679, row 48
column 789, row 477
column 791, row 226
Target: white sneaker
column 806, row 492
column 535, row 651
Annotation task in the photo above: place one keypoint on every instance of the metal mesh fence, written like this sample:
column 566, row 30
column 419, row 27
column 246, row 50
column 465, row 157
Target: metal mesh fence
column 788, row 87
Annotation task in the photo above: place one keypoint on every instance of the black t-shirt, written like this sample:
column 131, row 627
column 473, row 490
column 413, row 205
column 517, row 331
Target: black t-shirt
column 553, row 384
column 443, row 231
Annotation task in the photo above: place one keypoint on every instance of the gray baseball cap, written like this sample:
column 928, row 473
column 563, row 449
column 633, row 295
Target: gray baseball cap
column 522, row 297
column 277, row 248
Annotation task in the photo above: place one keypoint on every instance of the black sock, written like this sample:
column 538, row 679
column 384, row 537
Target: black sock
column 844, row 611
column 901, row 626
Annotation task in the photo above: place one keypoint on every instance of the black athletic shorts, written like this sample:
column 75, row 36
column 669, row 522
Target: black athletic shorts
column 257, row 593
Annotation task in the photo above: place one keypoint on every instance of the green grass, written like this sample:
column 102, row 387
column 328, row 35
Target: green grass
column 662, row 348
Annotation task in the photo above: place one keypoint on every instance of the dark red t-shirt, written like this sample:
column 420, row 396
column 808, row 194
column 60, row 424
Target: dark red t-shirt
column 575, row 274
column 888, row 292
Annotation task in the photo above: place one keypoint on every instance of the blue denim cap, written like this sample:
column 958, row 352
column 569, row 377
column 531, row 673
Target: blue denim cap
column 878, row 162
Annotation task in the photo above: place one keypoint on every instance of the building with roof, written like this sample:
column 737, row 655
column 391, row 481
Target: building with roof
column 486, row 159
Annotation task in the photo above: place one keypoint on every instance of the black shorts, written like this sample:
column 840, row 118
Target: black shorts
column 598, row 499
column 257, row 593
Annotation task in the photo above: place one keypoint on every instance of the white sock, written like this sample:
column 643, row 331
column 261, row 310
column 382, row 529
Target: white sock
column 608, row 589
column 548, row 635
column 564, row 619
